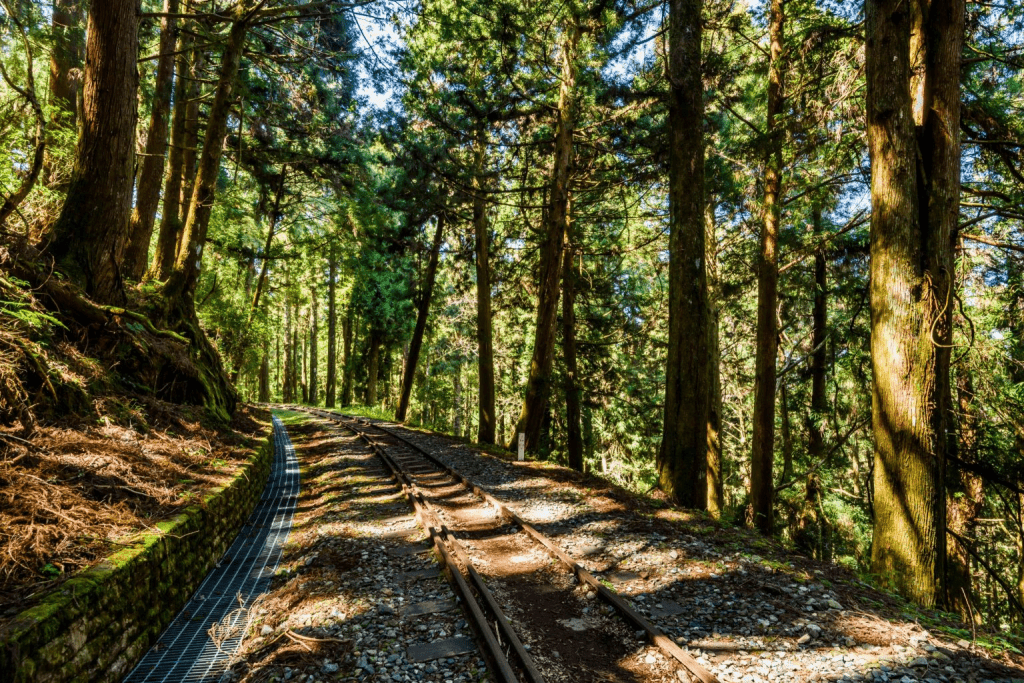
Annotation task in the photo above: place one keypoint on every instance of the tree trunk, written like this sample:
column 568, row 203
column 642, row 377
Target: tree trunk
column 265, row 378
column 373, row 369
column 188, row 261
column 89, row 237
column 787, row 435
column 314, row 330
column 423, row 309
column 304, row 368
column 170, row 218
column 716, row 493
column 286, row 394
column 913, row 105
column 485, row 344
column 66, row 59
column 332, row 326
column 457, row 402
column 147, row 190
column 762, row 457
column 682, row 458
column 816, row 439
column 535, row 402
column 574, row 431
column 346, row 362
column 964, row 505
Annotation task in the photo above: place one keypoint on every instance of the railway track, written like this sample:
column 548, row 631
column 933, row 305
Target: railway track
column 524, row 596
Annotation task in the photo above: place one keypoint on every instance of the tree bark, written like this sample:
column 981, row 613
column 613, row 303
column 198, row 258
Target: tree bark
column 762, row 457
column 682, row 458
column 185, row 90
column 89, row 237
column 286, row 388
column 485, row 344
column 188, row 261
column 373, row 369
column 964, row 504
column 423, row 309
column 147, row 190
column 264, row 396
column 346, row 362
column 716, row 492
column 314, row 330
column 535, row 401
column 332, row 326
column 573, row 428
column 913, row 105
column 819, row 332
column 66, row 59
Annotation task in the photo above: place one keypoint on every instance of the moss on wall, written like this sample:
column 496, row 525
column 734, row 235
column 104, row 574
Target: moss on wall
column 96, row 625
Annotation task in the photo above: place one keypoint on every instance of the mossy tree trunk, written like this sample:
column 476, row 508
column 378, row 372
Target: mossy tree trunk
column 913, row 109
column 88, row 238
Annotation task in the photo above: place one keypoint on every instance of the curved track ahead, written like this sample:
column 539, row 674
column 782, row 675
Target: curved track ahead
column 186, row 651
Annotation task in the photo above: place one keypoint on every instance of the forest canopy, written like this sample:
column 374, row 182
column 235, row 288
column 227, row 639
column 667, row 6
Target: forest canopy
column 764, row 258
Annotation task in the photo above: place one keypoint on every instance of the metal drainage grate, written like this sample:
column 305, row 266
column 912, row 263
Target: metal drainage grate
column 185, row 651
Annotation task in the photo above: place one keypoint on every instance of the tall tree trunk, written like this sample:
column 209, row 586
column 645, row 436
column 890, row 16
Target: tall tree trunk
column 188, row 261
column 346, row 361
column 716, row 492
column 573, row 428
column 682, row 458
column 373, row 369
column 264, row 396
column 173, row 206
column 762, row 457
column 66, row 60
column 913, row 105
column 819, row 332
column 304, row 368
column 89, row 237
column 147, row 190
column 286, row 387
column 535, row 402
column 332, row 326
column 457, row 402
column 787, row 434
column 484, row 341
column 965, row 500
column 314, row 330
column 423, row 309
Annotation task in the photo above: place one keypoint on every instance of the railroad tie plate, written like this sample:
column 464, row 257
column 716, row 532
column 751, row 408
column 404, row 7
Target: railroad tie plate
column 429, row 607
column 449, row 647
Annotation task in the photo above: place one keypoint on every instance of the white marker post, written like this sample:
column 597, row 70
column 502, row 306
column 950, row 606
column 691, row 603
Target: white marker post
column 522, row 446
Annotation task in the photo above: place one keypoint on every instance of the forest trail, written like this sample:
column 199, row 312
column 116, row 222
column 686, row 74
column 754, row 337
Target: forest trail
column 745, row 608
column 198, row 645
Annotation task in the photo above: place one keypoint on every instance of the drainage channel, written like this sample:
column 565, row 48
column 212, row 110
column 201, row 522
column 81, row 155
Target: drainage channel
column 186, row 651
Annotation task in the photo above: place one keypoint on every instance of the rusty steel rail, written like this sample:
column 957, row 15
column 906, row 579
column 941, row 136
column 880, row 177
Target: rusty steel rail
column 443, row 539
column 655, row 634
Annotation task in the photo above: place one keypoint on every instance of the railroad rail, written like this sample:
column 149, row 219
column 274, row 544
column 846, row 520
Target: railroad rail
column 406, row 460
